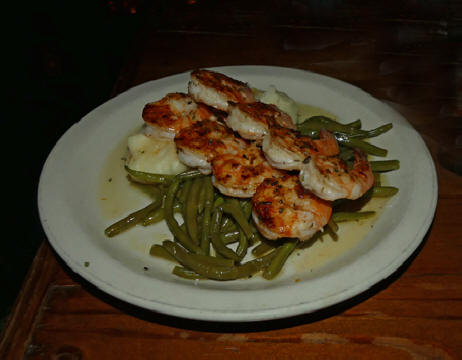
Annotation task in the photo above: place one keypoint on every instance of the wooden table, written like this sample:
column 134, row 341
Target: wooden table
column 406, row 54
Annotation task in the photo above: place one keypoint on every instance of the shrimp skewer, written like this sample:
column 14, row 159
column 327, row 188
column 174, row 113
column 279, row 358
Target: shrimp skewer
column 203, row 141
column 284, row 205
column 176, row 111
column 240, row 174
column 287, row 149
column 330, row 178
column 238, row 167
column 253, row 120
column 216, row 89
column 283, row 208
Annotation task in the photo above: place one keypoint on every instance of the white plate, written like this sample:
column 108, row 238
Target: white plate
column 70, row 210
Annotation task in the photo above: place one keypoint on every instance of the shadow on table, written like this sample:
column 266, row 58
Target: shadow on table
column 254, row 326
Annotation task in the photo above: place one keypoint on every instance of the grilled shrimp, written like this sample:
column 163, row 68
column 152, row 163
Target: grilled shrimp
column 240, row 174
column 283, row 208
column 200, row 143
column 215, row 89
column 176, row 111
column 330, row 178
column 287, row 149
column 253, row 120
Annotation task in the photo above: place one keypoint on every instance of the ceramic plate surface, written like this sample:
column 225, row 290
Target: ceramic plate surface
column 70, row 206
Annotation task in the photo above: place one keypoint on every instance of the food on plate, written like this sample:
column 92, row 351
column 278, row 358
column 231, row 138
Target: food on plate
column 253, row 120
column 153, row 155
column 252, row 186
column 331, row 178
column 176, row 111
column 288, row 149
column 281, row 100
column 240, row 175
column 203, row 141
column 283, row 208
column 215, row 89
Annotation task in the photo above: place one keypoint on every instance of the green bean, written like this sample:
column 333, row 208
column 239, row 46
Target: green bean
column 159, row 214
column 185, row 193
column 154, row 217
column 351, row 142
column 246, row 208
column 183, row 228
column 322, row 122
column 149, row 178
column 282, row 253
column 218, row 202
column 362, row 145
column 186, row 273
column 384, row 191
column 241, row 250
column 330, row 231
column 231, row 206
column 355, row 124
column 262, row 248
column 201, row 197
column 385, row 165
column 175, row 229
column 133, row 218
column 215, row 236
column 332, row 225
column 206, row 220
column 159, row 251
column 217, row 272
column 316, row 123
column 368, row 134
column 191, row 212
column 200, row 218
column 226, row 223
column 230, row 227
column 377, row 179
column 218, row 255
column 309, row 132
column 230, row 237
column 342, row 216
column 213, row 260
column 379, row 131
column 189, row 174
column 256, row 235
column 179, row 194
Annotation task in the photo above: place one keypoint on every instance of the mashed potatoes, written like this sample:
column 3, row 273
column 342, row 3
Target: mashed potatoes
column 298, row 112
column 281, row 100
column 156, row 156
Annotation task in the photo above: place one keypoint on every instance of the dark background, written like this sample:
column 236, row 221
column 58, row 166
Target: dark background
column 63, row 59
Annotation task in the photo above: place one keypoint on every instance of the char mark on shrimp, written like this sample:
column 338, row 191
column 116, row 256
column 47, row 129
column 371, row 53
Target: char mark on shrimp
column 253, row 120
column 216, row 89
column 288, row 149
column 283, row 208
column 240, row 174
column 330, row 178
column 200, row 143
column 174, row 112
